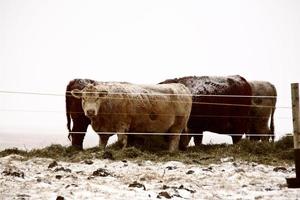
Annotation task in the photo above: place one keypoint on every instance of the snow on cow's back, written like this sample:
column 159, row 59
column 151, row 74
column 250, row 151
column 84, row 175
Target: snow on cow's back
column 215, row 84
column 209, row 84
column 167, row 89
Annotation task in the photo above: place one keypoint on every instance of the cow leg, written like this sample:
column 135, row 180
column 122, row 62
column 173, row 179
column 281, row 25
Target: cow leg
column 272, row 136
column 103, row 140
column 236, row 139
column 174, row 142
column 184, row 140
column 255, row 138
column 253, row 134
column 268, row 131
column 123, row 128
column 123, row 138
column 198, row 139
column 258, row 129
column 176, row 129
column 78, row 132
column 134, row 140
column 265, row 138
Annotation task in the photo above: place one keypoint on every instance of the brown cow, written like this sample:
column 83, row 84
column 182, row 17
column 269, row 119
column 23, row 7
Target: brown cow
column 263, row 108
column 75, row 113
column 212, row 110
column 122, row 108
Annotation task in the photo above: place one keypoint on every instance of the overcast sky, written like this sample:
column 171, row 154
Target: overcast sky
column 44, row 44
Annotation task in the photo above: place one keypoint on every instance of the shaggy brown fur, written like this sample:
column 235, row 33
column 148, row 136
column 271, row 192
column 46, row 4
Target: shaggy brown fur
column 122, row 107
column 262, row 109
column 225, row 115
column 75, row 113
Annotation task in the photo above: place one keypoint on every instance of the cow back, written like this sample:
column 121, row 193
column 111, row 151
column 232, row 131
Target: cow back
column 220, row 104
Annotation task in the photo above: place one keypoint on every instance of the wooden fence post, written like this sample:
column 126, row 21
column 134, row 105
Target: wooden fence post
column 295, row 182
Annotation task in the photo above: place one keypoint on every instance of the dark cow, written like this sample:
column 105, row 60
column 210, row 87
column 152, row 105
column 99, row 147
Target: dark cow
column 212, row 110
column 262, row 110
column 74, row 111
column 125, row 108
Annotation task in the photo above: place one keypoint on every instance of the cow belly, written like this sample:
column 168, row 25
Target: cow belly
column 149, row 124
column 139, row 124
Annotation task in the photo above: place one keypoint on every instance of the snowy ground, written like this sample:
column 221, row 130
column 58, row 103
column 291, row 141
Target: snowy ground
column 41, row 178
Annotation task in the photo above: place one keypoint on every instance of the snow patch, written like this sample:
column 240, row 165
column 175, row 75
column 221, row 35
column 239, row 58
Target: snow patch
column 229, row 179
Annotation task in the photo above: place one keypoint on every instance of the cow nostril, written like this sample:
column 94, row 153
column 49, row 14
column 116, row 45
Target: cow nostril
column 90, row 112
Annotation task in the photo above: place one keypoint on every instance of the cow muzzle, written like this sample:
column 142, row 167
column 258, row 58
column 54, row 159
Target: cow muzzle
column 91, row 113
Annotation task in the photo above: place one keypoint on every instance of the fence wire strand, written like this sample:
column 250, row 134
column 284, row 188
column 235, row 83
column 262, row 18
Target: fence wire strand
column 212, row 103
column 149, row 94
column 160, row 134
column 200, row 116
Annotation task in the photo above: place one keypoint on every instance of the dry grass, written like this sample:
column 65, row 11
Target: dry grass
column 277, row 153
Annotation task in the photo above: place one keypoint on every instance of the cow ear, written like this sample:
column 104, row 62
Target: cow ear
column 102, row 93
column 76, row 93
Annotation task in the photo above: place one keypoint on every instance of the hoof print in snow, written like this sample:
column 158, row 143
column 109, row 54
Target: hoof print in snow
column 23, row 196
column 60, row 198
column 177, row 195
column 101, row 172
column 164, row 194
column 13, row 172
column 53, row 164
column 74, row 185
column 269, row 189
column 235, row 164
column 108, row 155
column 207, row 169
column 62, row 169
column 58, row 177
column 183, row 188
column 279, row 169
column 164, row 187
column 171, row 167
column 190, row 172
column 125, row 163
column 138, row 185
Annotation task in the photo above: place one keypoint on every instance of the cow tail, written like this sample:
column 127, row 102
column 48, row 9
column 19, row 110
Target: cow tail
column 272, row 127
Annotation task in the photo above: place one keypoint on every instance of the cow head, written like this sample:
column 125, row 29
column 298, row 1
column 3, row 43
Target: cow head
column 90, row 98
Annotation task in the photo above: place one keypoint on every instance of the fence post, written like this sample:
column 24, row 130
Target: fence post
column 295, row 182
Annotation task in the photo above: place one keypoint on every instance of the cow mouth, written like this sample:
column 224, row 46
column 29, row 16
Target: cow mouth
column 91, row 116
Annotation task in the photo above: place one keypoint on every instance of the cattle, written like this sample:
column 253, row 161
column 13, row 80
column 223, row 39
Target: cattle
column 75, row 113
column 122, row 108
column 262, row 110
column 220, row 105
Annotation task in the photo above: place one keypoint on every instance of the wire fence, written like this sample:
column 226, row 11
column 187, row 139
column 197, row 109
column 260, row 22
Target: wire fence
column 5, row 92
column 135, row 93
column 144, row 114
column 150, row 133
column 163, row 100
column 189, row 134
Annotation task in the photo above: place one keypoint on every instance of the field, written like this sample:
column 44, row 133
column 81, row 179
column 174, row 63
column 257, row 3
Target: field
column 247, row 170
